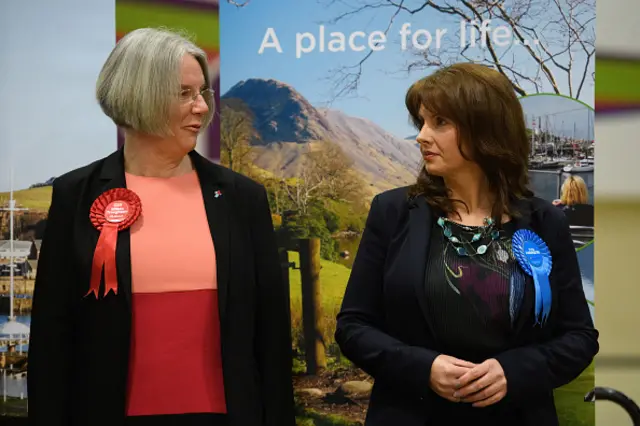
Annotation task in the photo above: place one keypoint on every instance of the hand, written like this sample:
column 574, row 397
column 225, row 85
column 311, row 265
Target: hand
column 445, row 373
column 556, row 202
column 483, row 385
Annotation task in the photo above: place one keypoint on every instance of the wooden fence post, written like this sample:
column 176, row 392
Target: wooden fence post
column 312, row 305
column 285, row 265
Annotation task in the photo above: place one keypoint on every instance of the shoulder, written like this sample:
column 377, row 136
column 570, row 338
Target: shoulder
column 230, row 179
column 71, row 181
column 393, row 198
column 548, row 213
column 391, row 206
column 551, row 224
column 244, row 186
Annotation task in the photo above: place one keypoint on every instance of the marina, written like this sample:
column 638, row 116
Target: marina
column 554, row 150
column 14, row 332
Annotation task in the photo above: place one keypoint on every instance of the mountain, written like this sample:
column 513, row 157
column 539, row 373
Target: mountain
column 288, row 124
column 48, row 182
column 281, row 114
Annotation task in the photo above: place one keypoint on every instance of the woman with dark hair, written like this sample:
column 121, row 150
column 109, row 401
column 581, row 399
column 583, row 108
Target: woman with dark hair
column 465, row 301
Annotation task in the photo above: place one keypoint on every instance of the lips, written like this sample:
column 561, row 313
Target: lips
column 194, row 127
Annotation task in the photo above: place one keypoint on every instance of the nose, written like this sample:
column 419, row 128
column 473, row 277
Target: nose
column 424, row 137
column 200, row 105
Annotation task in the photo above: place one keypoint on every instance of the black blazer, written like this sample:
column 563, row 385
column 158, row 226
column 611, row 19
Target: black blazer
column 79, row 347
column 383, row 330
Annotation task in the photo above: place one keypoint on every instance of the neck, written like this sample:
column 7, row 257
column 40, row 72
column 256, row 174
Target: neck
column 154, row 157
column 472, row 188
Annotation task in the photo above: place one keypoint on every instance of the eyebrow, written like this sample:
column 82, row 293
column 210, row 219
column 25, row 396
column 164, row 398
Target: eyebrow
column 185, row 86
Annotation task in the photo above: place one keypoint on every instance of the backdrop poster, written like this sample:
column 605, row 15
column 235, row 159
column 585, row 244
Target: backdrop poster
column 198, row 19
column 313, row 107
column 51, row 74
column 33, row 155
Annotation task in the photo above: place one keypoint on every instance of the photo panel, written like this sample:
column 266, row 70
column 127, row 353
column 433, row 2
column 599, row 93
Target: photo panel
column 312, row 106
column 37, row 154
column 51, row 124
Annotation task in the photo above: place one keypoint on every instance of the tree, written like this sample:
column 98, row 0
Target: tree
column 340, row 181
column 554, row 39
column 276, row 186
column 303, row 189
column 236, row 135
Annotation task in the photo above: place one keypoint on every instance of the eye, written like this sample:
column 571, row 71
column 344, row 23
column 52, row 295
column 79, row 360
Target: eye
column 439, row 121
column 185, row 93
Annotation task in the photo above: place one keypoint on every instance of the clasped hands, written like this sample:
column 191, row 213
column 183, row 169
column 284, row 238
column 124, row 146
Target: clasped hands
column 462, row 381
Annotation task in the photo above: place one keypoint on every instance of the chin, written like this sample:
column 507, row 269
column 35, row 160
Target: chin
column 188, row 144
column 435, row 171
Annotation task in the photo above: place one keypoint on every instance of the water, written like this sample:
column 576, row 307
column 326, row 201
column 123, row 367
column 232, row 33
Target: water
column 23, row 319
column 547, row 185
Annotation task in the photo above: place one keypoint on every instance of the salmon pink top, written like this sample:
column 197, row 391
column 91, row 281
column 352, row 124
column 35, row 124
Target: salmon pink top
column 175, row 361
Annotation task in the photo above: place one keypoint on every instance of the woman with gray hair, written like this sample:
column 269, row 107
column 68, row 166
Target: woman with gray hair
column 159, row 297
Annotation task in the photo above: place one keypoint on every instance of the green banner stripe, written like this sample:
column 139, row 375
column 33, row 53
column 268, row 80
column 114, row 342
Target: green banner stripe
column 204, row 26
column 617, row 80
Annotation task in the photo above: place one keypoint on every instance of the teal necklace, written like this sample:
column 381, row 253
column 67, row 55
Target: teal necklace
column 466, row 247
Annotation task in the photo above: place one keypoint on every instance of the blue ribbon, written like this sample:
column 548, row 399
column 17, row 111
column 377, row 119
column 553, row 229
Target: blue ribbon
column 534, row 257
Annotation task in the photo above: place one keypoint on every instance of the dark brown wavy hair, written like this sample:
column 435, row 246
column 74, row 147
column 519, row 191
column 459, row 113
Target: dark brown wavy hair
column 483, row 106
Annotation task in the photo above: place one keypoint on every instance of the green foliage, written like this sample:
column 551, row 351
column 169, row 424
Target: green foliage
column 308, row 417
column 323, row 220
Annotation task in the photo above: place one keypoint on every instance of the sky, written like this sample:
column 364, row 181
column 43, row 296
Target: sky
column 50, row 122
column 383, row 85
column 560, row 115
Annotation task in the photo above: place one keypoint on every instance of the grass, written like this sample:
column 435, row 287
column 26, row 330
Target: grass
column 14, row 407
column 36, row 199
column 307, row 417
column 333, row 282
column 572, row 410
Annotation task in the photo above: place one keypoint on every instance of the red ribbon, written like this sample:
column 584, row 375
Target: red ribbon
column 111, row 212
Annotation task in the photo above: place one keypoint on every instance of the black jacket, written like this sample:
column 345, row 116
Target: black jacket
column 383, row 330
column 79, row 347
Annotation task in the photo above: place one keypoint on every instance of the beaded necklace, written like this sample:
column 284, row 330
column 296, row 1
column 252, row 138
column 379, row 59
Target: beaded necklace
column 466, row 247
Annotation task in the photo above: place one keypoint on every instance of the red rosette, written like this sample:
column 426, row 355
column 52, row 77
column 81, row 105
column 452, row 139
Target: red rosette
column 113, row 211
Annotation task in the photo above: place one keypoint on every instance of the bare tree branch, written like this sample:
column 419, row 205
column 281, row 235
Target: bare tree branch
column 545, row 44
column 239, row 3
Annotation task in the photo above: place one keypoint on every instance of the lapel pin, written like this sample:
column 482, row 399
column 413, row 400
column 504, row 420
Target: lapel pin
column 217, row 194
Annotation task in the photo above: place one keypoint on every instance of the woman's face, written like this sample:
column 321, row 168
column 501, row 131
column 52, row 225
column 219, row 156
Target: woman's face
column 438, row 139
column 188, row 114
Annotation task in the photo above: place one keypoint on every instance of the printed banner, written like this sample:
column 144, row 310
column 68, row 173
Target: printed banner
column 313, row 107
column 72, row 131
column 56, row 84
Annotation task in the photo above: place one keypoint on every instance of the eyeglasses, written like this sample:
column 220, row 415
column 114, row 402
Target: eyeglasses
column 190, row 96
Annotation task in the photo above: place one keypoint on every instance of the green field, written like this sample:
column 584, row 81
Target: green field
column 572, row 410
column 37, row 199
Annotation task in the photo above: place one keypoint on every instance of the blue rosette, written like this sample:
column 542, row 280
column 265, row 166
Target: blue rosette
column 534, row 257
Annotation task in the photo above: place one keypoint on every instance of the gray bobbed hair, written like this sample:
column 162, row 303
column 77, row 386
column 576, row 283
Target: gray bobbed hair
column 140, row 81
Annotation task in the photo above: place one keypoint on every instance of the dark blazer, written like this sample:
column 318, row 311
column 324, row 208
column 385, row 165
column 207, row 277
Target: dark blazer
column 383, row 330
column 79, row 347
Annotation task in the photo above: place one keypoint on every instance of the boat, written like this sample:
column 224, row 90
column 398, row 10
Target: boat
column 545, row 165
column 581, row 166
